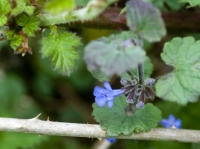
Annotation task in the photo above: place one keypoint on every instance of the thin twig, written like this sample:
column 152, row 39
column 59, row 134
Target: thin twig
column 37, row 126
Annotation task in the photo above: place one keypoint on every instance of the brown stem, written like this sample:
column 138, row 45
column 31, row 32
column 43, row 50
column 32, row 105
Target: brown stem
column 174, row 21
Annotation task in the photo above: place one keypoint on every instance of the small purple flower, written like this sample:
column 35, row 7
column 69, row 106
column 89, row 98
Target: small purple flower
column 171, row 122
column 111, row 140
column 107, row 94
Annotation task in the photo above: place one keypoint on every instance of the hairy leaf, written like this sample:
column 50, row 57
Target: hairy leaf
column 145, row 19
column 21, row 6
column 191, row 2
column 16, row 40
column 56, row 6
column 114, row 56
column 115, row 120
column 182, row 85
column 61, row 48
column 4, row 7
column 3, row 20
column 30, row 24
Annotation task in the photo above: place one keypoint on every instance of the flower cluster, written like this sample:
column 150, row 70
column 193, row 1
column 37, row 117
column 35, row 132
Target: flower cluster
column 107, row 94
column 171, row 122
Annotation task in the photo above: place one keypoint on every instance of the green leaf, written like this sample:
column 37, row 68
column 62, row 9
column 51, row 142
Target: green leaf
column 191, row 2
column 81, row 2
column 182, row 85
column 16, row 40
column 61, row 48
column 99, row 75
column 3, row 20
column 30, row 24
column 113, row 55
column 164, row 5
column 55, row 6
column 5, row 7
column 145, row 19
column 21, row 6
column 115, row 120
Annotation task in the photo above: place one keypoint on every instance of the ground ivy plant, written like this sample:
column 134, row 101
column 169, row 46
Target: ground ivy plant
column 119, row 111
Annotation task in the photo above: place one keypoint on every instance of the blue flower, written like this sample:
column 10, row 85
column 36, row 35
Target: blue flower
column 107, row 94
column 111, row 140
column 171, row 122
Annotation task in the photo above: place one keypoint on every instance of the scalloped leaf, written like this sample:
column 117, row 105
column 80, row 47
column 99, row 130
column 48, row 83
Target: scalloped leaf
column 113, row 55
column 30, row 24
column 55, row 6
column 145, row 19
column 61, row 48
column 115, row 120
column 182, row 85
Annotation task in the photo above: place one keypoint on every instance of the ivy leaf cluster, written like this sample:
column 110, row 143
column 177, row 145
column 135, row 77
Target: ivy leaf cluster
column 183, row 83
column 116, row 121
column 60, row 47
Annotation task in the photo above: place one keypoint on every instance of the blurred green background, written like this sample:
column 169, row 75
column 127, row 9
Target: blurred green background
column 29, row 86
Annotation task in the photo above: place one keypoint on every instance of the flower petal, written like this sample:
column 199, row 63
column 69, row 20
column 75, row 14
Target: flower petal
column 166, row 123
column 171, row 118
column 117, row 92
column 107, row 86
column 110, row 103
column 178, row 123
column 111, row 140
column 140, row 104
column 100, row 101
column 99, row 91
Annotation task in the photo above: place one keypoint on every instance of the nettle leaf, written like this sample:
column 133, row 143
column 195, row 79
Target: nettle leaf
column 113, row 56
column 3, row 20
column 115, row 120
column 191, row 2
column 16, row 39
column 4, row 9
column 56, row 6
column 30, row 24
column 22, row 6
column 61, row 48
column 182, row 85
column 145, row 19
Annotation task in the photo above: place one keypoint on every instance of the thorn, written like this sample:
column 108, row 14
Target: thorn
column 48, row 118
column 100, row 139
column 37, row 116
